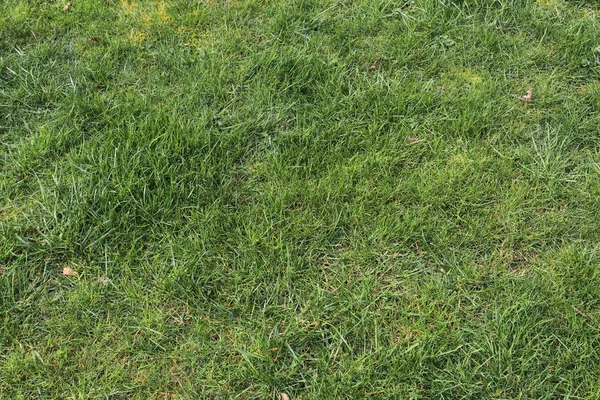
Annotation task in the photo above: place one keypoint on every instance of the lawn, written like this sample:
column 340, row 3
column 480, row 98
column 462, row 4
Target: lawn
column 331, row 199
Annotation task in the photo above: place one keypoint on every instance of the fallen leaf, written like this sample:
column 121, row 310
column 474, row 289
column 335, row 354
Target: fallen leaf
column 374, row 65
column 68, row 271
column 67, row 7
column 528, row 96
column 94, row 38
column 104, row 280
column 413, row 139
column 284, row 396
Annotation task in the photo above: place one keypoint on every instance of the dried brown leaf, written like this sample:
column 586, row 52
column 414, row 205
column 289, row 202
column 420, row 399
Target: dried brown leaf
column 413, row 139
column 284, row 396
column 528, row 96
column 67, row 7
column 104, row 280
column 68, row 271
column 373, row 66
column 94, row 38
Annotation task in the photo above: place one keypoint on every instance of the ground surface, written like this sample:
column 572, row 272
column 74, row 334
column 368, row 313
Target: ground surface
column 332, row 199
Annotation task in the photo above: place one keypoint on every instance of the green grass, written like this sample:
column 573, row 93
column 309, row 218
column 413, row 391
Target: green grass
column 253, row 210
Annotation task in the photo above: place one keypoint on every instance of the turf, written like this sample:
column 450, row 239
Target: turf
column 326, row 198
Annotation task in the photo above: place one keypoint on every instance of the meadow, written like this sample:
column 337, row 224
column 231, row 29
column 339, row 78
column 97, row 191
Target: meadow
column 330, row 199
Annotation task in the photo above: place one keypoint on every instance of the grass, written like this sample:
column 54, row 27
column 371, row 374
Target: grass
column 251, row 209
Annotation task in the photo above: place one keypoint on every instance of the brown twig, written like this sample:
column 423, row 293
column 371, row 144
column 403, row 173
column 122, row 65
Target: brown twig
column 584, row 315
